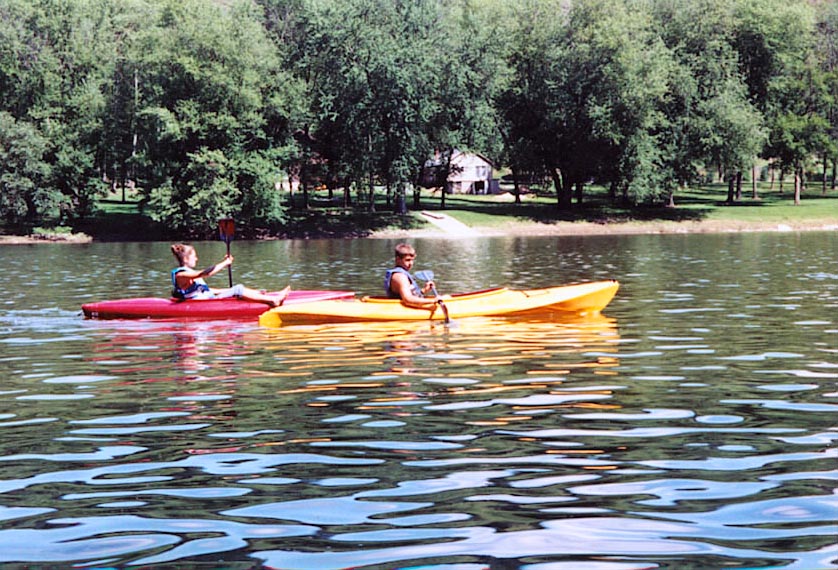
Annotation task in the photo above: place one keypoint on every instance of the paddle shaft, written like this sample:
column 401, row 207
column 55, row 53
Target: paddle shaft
column 229, row 267
column 227, row 229
column 428, row 275
column 441, row 303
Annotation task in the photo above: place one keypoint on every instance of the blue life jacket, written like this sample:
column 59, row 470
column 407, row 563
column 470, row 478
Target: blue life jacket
column 198, row 285
column 414, row 286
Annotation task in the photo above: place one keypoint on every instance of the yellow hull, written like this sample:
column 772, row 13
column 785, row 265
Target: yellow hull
column 584, row 298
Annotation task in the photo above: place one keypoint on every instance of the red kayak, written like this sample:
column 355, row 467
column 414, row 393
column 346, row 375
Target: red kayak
column 159, row 308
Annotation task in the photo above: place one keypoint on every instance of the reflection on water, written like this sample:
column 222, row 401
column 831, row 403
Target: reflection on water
column 692, row 426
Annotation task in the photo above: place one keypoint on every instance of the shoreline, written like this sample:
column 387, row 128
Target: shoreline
column 532, row 229
column 581, row 229
column 30, row 239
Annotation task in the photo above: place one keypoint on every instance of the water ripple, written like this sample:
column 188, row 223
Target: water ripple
column 692, row 426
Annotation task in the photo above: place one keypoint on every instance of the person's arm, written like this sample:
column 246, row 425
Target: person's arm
column 400, row 284
column 213, row 269
column 187, row 276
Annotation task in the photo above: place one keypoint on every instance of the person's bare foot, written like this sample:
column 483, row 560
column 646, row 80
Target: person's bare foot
column 280, row 299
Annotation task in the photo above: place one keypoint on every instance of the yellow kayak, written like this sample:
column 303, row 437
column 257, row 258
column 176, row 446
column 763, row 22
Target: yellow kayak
column 584, row 298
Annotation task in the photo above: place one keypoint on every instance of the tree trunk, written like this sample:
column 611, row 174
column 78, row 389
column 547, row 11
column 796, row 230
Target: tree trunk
column 731, row 188
column 557, row 184
column 825, row 166
column 400, row 203
column 371, row 202
column 516, row 187
column 347, row 192
column 579, row 188
column 738, row 185
column 304, row 183
column 564, row 189
column 754, row 174
column 567, row 194
column 798, row 184
column 445, row 174
column 417, row 190
column 556, row 176
column 132, row 169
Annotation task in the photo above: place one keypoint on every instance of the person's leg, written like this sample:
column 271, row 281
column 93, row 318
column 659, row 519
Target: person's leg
column 272, row 300
column 236, row 291
column 249, row 294
column 201, row 295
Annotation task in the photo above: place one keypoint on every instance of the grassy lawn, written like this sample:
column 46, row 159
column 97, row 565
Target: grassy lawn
column 706, row 203
column 770, row 207
column 118, row 221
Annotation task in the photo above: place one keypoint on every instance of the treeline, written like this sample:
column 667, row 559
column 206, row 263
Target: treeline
column 202, row 107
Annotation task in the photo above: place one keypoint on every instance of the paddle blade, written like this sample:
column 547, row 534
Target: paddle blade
column 227, row 229
column 425, row 275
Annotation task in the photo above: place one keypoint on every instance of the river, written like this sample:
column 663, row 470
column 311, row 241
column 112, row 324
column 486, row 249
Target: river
column 692, row 425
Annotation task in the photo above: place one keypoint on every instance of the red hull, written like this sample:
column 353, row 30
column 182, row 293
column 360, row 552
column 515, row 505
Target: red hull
column 158, row 308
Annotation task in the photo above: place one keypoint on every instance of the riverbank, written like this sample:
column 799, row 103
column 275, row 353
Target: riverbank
column 57, row 238
column 699, row 210
column 519, row 228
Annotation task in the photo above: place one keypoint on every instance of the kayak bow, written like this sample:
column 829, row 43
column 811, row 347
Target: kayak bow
column 584, row 298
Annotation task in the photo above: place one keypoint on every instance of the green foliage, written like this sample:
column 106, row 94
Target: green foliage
column 211, row 88
column 205, row 193
column 48, row 233
column 827, row 50
column 205, row 106
column 25, row 191
column 256, row 178
column 372, row 70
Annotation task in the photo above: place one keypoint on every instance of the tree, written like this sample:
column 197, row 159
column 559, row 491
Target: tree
column 372, row 72
column 587, row 82
column 712, row 119
column 59, row 57
column 538, row 103
column 635, row 71
column 471, row 70
column 798, row 95
column 26, row 195
column 827, row 52
column 211, row 93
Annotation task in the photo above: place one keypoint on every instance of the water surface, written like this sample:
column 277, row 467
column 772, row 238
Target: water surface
column 690, row 426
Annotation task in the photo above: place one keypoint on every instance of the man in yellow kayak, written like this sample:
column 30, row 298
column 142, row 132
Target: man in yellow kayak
column 400, row 284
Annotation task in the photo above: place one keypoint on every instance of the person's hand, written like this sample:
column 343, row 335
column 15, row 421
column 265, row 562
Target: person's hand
column 228, row 260
column 428, row 286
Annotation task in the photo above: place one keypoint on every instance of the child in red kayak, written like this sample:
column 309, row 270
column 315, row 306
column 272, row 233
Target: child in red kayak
column 188, row 282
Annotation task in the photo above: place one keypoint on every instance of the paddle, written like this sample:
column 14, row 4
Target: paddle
column 428, row 275
column 227, row 229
